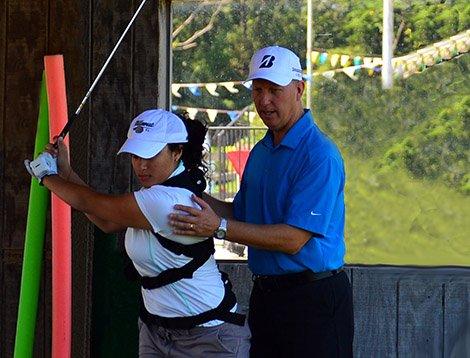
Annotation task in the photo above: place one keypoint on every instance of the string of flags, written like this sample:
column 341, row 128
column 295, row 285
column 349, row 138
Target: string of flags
column 195, row 88
column 212, row 113
column 349, row 64
column 404, row 66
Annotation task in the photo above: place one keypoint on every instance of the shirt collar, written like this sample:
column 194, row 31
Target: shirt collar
column 295, row 134
column 179, row 169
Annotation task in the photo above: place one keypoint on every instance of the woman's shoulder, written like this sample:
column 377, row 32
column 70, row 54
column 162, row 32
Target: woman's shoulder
column 166, row 194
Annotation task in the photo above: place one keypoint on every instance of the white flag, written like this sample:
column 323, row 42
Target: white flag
column 212, row 113
column 212, row 89
column 174, row 90
column 192, row 112
column 350, row 72
column 230, row 86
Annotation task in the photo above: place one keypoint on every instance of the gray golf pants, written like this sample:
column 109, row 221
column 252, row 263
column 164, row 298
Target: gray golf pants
column 224, row 340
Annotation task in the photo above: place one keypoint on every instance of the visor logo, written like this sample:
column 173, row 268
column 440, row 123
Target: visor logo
column 139, row 126
column 267, row 61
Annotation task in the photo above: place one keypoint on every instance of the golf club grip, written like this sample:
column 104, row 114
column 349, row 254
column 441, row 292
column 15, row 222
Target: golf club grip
column 64, row 130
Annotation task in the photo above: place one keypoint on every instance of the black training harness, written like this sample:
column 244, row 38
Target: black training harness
column 199, row 252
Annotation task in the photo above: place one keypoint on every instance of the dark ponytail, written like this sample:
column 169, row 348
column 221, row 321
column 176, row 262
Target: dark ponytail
column 193, row 150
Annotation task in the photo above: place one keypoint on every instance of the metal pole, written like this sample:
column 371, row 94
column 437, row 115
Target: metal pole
column 309, row 55
column 387, row 42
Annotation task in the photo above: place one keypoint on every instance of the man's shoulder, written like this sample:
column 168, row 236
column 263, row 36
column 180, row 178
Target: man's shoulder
column 317, row 144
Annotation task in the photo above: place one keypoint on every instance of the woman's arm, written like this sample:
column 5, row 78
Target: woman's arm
column 121, row 209
column 66, row 172
column 104, row 225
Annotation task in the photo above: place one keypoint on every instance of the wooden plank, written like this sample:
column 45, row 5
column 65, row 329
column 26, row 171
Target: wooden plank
column 457, row 317
column 420, row 316
column 110, row 107
column 375, row 312
column 24, row 39
column 74, row 45
column 145, row 60
column 3, row 22
column 110, row 116
column 240, row 276
column 23, row 70
column 11, row 288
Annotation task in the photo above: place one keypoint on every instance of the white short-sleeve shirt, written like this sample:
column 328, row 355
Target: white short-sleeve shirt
column 185, row 297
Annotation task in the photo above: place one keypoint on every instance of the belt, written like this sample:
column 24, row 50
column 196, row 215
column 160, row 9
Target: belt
column 282, row 282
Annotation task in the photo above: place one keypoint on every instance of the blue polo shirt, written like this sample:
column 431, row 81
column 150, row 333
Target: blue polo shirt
column 299, row 182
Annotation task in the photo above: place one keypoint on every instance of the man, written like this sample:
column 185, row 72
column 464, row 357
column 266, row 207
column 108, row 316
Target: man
column 290, row 212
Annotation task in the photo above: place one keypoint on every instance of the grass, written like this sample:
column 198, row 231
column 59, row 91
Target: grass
column 394, row 219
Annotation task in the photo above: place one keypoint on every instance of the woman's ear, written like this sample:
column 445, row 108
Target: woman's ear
column 177, row 153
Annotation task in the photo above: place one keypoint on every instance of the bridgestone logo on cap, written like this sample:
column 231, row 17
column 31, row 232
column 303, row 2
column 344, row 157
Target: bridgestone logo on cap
column 267, row 61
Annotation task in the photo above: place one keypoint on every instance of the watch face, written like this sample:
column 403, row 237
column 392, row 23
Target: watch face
column 220, row 234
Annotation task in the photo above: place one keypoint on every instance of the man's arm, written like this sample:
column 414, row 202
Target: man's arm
column 204, row 222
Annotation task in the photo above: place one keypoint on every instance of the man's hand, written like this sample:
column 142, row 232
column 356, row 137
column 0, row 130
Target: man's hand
column 194, row 222
column 45, row 164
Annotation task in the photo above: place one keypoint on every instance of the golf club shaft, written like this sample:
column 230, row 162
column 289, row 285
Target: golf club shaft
column 66, row 128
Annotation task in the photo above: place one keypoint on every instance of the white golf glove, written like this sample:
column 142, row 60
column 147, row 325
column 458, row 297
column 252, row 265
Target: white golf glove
column 45, row 164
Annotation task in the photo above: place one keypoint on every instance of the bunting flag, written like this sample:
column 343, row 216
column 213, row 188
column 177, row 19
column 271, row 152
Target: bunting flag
column 314, row 56
column 323, row 57
column 350, row 71
column 247, row 84
column 403, row 66
column 408, row 64
column 212, row 113
column 329, row 74
column 192, row 112
column 230, row 86
column 334, row 60
column 344, row 60
column 174, row 90
column 195, row 90
column 212, row 89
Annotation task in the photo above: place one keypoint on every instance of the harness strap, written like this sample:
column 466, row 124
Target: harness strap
column 199, row 252
column 221, row 312
column 193, row 250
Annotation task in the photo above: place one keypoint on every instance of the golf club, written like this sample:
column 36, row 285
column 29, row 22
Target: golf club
column 66, row 128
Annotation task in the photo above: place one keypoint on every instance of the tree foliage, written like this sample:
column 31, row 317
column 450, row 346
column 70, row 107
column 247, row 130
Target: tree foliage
column 420, row 124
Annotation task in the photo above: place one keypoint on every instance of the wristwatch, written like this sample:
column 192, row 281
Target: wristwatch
column 221, row 231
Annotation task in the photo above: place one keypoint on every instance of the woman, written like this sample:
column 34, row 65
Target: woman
column 188, row 308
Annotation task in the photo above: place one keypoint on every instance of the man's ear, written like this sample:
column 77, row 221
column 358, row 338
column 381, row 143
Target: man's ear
column 300, row 87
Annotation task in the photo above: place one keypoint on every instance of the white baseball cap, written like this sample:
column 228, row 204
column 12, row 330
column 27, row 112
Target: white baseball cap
column 276, row 64
column 151, row 131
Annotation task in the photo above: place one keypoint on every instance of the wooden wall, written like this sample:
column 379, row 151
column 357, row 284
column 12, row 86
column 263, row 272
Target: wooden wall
column 137, row 78
column 399, row 311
